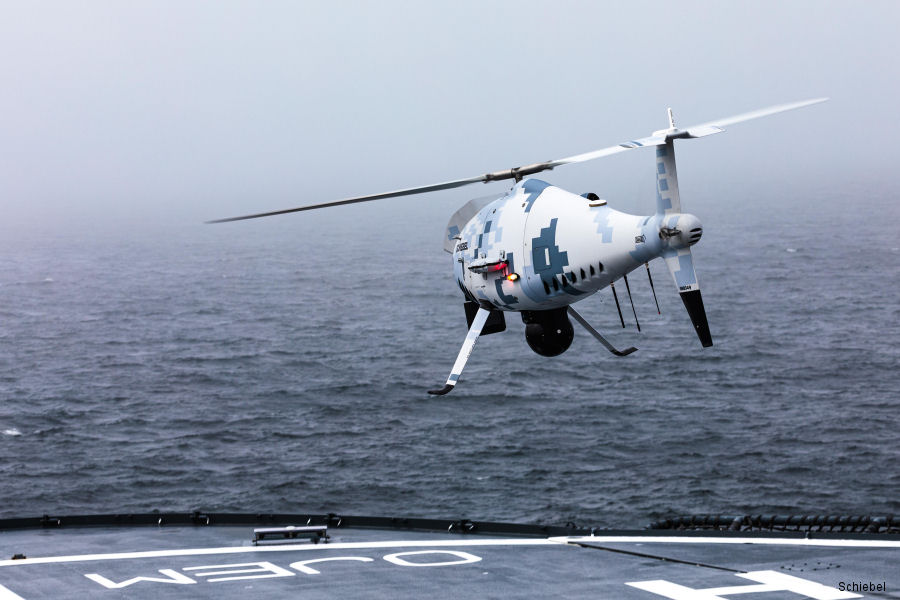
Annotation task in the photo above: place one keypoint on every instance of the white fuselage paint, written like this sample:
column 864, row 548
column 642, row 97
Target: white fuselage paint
column 555, row 235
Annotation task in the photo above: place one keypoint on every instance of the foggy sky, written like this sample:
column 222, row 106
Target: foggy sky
column 178, row 112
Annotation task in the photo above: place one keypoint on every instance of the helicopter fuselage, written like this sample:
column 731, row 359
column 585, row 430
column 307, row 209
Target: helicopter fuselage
column 540, row 247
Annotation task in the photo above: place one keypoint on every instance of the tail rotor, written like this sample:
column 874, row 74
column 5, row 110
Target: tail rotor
column 679, row 231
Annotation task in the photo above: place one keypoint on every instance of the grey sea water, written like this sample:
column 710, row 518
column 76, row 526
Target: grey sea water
column 281, row 365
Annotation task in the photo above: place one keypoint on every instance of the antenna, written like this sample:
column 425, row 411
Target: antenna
column 671, row 119
column 653, row 289
column 618, row 308
column 628, row 287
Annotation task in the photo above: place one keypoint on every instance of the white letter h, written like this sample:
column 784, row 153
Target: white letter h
column 769, row 581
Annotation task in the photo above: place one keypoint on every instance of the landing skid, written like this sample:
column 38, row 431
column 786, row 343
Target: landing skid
column 464, row 352
column 599, row 337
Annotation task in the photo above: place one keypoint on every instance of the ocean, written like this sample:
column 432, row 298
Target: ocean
column 281, row 365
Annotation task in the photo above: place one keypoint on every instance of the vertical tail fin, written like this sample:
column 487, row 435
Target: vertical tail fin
column 668, row 201
column 681, row 266
column 678, row 257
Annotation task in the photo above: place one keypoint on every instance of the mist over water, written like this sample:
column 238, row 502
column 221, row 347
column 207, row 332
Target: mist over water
column 282, row 365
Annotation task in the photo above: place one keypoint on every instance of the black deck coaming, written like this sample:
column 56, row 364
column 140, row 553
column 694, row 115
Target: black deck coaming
column 331, row 520
column 455, row 526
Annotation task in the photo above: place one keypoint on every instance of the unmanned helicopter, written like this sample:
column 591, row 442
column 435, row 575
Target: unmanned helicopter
column 538, row 249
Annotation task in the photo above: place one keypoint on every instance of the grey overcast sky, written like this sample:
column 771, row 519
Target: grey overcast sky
column 188, row 110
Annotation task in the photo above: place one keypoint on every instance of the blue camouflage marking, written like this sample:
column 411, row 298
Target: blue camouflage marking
column 533, row 187
column 685, row 274
column 452, row 232
column 661, row 151
column 663, row 185
column 489, row 236
column 468, row 234
column 662, row 204
column 661, row 168
column 507, row 300
column 601, row 217
column 558, row 259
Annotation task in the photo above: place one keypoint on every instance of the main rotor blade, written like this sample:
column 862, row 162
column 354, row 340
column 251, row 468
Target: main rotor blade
column 755, row 114
column 397, row 193
column 660, row 137
column 517, row 173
